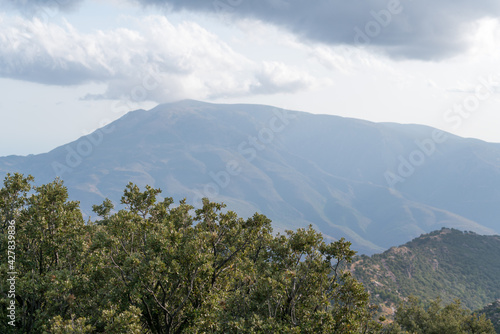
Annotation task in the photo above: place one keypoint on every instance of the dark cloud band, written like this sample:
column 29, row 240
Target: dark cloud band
column 32, row 7
column 423, row 29
column 415, row 29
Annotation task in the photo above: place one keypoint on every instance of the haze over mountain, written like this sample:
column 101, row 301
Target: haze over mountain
column 377, row 184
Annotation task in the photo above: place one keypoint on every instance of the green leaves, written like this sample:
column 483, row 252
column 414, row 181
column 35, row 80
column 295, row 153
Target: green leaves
column 154, row 267
column 294, row 289
column 139, row 202
column 413, row 317
column 104, row 209
column 13, row 196
column 50, row 248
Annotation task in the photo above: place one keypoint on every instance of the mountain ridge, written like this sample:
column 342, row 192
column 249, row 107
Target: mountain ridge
column 297, row 168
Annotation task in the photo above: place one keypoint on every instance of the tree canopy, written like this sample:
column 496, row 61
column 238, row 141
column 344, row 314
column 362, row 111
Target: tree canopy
column 158, row 267
column 414, row 317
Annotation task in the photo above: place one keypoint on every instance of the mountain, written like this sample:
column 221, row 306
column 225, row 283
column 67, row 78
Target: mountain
column 377, row 184
column 448, row 263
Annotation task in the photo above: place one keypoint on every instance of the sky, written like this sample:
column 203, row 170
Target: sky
column 68, row 67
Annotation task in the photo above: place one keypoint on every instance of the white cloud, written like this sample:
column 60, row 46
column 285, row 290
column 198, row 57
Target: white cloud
column 155, row 61
column 485, row 38
column 51, row 54
column 276, row 77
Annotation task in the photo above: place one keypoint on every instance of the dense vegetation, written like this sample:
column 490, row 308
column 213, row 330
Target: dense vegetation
column 434, row 318
column 448, row 264
column 155, row 267
column 492, row 312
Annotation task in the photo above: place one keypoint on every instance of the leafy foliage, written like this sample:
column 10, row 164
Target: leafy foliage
column 154, row 267
column 492, row 312
column 413, row 317
column 50, row 244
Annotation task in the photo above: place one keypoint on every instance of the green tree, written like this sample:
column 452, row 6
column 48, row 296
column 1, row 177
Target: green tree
column 13, row 197
column 156, row 267
column 50, row 243
column 176, row 272
column 299, row 285
column 413, row 317
column 217, row 273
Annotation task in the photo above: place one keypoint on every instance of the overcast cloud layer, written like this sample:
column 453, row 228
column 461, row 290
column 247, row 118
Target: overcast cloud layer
column 423, row 29
column 39, row 7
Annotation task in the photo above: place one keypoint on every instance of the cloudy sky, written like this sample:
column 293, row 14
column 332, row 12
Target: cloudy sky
column 68, row 67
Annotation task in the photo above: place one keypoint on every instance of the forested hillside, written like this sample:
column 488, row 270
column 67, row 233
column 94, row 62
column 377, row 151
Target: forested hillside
column 447, row 263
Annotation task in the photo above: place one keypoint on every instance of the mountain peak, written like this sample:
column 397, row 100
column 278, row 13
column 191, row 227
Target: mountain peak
column 186, row 103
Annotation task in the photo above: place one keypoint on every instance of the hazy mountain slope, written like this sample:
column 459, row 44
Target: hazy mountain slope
column 460, row 175
column 295, row 167
column 447, row 263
